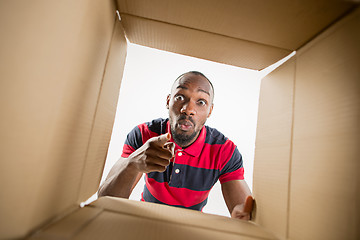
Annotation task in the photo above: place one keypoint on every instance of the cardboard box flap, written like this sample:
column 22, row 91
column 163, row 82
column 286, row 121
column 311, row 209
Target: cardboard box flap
column 325, row 155
column 68, row 226
column 105, row 114
column 111, row 218
column 308, row 135
column 285, row 25
column 57, row 107
column 273, row 148
column 201, row 44
column 181, row 216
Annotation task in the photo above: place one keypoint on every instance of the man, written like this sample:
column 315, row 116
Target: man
column 182, row 158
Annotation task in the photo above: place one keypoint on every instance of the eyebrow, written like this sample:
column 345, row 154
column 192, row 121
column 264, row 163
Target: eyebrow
column 199, row 89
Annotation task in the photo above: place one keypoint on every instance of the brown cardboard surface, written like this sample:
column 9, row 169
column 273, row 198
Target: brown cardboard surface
column 197, row 43
column 325, row 193
column 259, row 27
column 51, row 68
column 114, row 226
column 180, row 216
column 69, row 226
column 283, row 24
column 110, row 218
column 273, row 149
column 105, row 114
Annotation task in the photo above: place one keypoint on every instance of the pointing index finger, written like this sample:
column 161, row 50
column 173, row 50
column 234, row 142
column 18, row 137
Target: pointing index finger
column 162, row 139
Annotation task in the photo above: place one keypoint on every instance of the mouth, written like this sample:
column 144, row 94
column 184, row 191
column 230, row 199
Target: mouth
column 185, row 125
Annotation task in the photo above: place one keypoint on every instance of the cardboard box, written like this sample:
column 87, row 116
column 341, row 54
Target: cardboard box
column 61, row 65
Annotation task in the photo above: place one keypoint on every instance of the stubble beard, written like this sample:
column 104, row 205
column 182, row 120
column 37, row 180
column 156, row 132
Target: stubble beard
column 183, row 139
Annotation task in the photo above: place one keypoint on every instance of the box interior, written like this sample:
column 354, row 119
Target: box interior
column 62, row 65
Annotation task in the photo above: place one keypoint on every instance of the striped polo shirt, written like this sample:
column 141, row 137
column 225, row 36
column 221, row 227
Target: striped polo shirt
column 193, row 171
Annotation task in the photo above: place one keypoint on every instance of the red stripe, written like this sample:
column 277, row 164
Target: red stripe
column 175, row 196
column 127, row 150
column 211, row 157
column 235, row 175
column 142, row 197
column 227, row 153
column 146, row 133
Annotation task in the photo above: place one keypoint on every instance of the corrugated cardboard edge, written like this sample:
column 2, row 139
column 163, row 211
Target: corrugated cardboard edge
column 273, row 149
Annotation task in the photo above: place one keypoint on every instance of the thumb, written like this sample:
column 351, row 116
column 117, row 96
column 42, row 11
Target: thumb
column 170, row 146
column 248, row 205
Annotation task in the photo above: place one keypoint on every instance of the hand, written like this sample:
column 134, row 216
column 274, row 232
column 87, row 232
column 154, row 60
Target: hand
column 154, row 155
column 243, row 211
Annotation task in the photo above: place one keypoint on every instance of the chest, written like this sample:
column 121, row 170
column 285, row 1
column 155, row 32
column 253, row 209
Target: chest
column 194, row 173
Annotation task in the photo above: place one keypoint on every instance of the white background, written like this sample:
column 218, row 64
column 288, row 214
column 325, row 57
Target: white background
column 148, row 77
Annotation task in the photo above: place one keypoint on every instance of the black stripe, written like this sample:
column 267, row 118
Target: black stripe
column 196, row 179
column 234, row 163
column 134, row 138
column 157, row 126
column 213, row 136
column 148, row 197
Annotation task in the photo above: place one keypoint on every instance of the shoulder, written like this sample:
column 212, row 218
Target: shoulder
column 225, row 149
column 156, row 126
column 219, row 141
column 142, row 132
column 214, row 136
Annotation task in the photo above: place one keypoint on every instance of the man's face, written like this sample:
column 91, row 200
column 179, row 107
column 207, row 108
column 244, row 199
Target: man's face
column 189, row 104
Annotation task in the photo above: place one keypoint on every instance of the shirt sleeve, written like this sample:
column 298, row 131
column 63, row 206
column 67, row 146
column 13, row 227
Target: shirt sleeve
column 133, row 141
column 233, row 170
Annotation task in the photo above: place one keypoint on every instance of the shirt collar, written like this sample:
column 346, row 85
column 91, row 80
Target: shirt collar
column 196, row 147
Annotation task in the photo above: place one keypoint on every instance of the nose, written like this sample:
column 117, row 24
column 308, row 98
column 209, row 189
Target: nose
column 188, row 109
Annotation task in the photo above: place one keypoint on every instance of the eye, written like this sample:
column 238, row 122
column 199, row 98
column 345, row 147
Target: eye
column 179, row 98
column 202, row 102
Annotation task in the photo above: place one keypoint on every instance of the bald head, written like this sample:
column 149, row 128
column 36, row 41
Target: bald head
column 199, row 78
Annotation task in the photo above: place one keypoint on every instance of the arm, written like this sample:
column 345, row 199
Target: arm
column 153, row 156
column 235, row 195
column 121, row 180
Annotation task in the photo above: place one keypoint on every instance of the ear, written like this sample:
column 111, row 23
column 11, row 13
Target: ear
column 211, row 108
column 168, row 101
